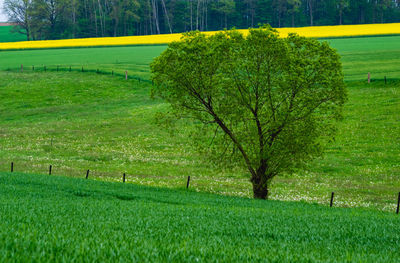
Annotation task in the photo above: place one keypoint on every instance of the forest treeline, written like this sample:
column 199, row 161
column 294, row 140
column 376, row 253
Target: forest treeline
column 55, row 19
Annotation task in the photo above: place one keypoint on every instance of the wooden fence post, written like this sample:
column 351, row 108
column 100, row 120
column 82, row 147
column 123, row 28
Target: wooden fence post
column 332, row 195
column 369, row 77
column 12, row 166
column 123, row 178
column 398, row 204
column 50, row 169
column 188, row 181
column 87, row 174
column 126, row 75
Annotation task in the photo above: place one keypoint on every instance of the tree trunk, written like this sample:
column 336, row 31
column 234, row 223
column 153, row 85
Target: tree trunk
column 279, row 20
column 260, row 183
column 260, row 189
column 293, row 19
column 116, row 23
column 310, row 6
column 166, row 16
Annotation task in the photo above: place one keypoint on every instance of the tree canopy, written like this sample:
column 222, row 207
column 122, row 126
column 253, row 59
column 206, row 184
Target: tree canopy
column 271, row 102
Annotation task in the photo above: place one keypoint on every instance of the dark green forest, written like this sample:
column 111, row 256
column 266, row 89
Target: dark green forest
column 56, row 19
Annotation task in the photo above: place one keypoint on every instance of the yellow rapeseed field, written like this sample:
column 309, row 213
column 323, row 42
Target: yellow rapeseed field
column 316, row 32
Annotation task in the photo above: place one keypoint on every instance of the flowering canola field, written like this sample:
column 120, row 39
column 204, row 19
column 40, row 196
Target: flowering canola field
column 316, row 32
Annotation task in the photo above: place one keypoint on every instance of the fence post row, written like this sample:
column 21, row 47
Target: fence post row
column 188, row 183
column 97, row 71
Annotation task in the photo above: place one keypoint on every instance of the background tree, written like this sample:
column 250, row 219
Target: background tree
column 20, row 12
column 342, row 5
column 273, row 101
column 224, row 8
column 281, row 7
column 294, row 7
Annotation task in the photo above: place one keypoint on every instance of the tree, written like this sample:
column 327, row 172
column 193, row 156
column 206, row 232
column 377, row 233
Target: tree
column 383, row 5
column 50, row 19
column 280, row 6
column 224, row 8
column 310, row 7
column 294, row 8
column 342, row 5
column 273, row 101
column 19, row 12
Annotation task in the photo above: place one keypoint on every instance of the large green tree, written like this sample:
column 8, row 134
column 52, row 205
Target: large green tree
column 273, row 101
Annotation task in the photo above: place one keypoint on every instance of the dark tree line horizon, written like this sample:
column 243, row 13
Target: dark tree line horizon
column 56, row 19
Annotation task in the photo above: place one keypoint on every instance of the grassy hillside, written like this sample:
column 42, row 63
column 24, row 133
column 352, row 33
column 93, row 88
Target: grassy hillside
column 7, row 36
column 78, row 121
column 46, row 218
column 378, row 55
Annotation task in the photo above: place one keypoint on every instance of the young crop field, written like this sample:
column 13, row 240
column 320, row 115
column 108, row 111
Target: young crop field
column 59, row 219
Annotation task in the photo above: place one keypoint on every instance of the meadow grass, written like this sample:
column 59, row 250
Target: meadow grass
column 59, row 219
column 7, row 36
column 78, row 121
column 378, row 55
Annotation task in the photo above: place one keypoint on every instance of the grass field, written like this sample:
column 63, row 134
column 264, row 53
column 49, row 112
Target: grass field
column 85, row 121
column 7, row 36
column 378, row 55
column 77, row 121
column 60, row 219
